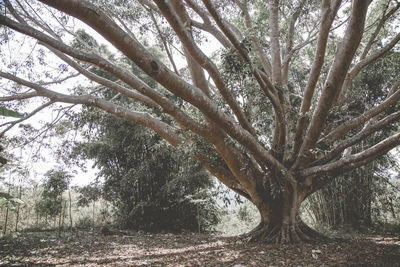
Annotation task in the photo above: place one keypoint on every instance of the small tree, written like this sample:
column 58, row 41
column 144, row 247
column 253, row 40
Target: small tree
column 6, row 200
column 89, row 194
column 55, row 183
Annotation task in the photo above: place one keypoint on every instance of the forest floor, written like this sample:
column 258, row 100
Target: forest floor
column 82, row 248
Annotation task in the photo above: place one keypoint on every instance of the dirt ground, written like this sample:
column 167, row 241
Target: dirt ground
column 82, row 248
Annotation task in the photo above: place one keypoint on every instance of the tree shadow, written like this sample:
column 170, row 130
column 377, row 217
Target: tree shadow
column 192, row 249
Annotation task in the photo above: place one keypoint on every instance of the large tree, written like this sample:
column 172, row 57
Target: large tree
column 270, row 129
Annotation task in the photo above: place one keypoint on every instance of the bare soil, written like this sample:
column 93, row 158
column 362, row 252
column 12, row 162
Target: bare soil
column 82, row 248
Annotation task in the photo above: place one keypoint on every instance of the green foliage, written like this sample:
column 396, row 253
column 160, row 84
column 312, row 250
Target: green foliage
column 9, row 202
column 84, row 222
column 84, row 41
column 88, row 194
column 238, row 219
column 10, row 113
column 3, row 160
column 55, row 183
column 152, row 186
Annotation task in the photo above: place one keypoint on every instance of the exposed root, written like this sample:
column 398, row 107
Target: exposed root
column 284, row 234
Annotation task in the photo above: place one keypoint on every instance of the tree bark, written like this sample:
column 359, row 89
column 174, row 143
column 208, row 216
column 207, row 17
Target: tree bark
column 93, row 209
column 18, row 210
column 280, row 220
column 70, row 209
column 6, row 218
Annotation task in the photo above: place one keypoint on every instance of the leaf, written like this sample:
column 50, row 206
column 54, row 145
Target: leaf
column 10, row 113
column 3, row 161
column 9, row 201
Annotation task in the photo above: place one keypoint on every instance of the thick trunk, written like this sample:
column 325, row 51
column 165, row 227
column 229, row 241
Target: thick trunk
column 281, row 223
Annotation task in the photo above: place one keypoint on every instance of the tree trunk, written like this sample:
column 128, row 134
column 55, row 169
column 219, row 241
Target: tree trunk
column 61, row 216
column 198, row 216
column 37, row 219
column 6, row 218
column 5, row 222
column 18, row 210
column 70, row 209
column 93, row 212
column 281, row 223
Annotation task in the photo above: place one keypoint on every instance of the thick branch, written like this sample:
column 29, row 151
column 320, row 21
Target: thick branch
column 18, row 97
column 149, row 63
column 105, row 82
column 163, row 129
column 344, row 55
column 328, row 13
column 262, row 79
column 354, row 161
column 362, row 64
column 123, row 75
column 356, row 122
column 204, row 61
column 167, row 132
column 275, row 46
column 370, row 129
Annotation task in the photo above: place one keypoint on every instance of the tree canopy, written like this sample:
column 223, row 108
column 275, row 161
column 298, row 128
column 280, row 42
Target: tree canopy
column 269, row 113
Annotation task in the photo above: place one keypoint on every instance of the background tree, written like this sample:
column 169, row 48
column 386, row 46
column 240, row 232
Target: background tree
column 276, row 160
column 89, row 194
column 6, row 200
column 55, row 183
column 152, row 186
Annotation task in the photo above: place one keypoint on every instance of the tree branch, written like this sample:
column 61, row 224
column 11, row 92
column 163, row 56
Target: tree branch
column 378, row 28
column 344, row 54
column 105, row 82
column 207, row 24
column 353, row 123
column 128, row 78
column 328, row 13
column 164, row 42
column 264, row 61
column 353, row 161
column 34, row 112
column 164, row 130
column 370, row 129
column 204, row 61
column 262, row 79
column 289, row 41
column 275, row 46
column 149, row 64
column 362, row 64
column 18, row 97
